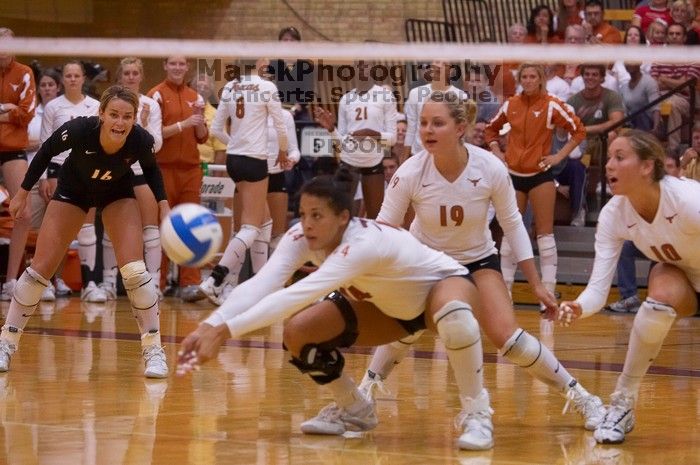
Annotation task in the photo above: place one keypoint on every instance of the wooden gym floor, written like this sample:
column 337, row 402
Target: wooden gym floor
column 76, row 395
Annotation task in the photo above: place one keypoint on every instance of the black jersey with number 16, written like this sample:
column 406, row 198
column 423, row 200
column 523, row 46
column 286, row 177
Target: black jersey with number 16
column 88, row 168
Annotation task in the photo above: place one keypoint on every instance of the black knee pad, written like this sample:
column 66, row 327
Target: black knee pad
column 322, row 363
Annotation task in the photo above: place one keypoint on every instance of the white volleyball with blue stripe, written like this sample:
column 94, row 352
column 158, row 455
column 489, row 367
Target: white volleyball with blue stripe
column 191, row 235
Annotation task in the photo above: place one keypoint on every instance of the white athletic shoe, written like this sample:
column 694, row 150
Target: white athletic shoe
column 334, row 420
column 475, row 421
column 589, row 406
column 6, row 351
column 92, row 293
column 212, row 292
column 7, row 290
column 48, row 294
column 154, row 359
column 619, row 419
column 109, row 290
column 62, row 289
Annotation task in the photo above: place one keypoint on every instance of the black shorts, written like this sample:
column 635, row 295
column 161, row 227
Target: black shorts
column 367, row 171
column 244, row 168
column 492, row 262
column 139, row 180
column 11, row 156
column 84, row 200
column 52, row 170
column 527, row 183
column 276, row 183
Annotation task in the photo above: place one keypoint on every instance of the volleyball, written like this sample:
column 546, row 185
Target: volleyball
column 190, row 235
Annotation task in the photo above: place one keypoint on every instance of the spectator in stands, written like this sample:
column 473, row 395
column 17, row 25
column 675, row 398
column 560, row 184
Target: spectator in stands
column 184, row 127
column 569, row 12
column 656, row 10
column 533, row 115
column 597, row 107
column 656, row 32
column 672, row 165
column 477, row 136
column 398, row 149
column 599, row 31
column 692, row 24
column 212, row 150
column 682, row 13
column 391, row 164
column 689, row 159
column 669, row 76
column 540, row 26
column 555, row 84
column 574, row 35
column 638, row 93
column 516, row 35
column 295, row 80
column 633, row 36
column 17, row 104
column 477, row 85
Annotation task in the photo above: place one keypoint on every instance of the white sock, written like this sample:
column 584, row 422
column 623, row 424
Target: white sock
column 152, row 251
column 110, row 270
column 261, row 246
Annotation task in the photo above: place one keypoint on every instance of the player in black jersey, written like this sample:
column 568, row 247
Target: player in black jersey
column 97, row 173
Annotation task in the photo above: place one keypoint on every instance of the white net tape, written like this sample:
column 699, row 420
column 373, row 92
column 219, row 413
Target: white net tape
column 334, row 51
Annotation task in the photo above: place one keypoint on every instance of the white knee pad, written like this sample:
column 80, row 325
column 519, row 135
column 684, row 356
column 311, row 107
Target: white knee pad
column 653, row 320
column 87, row 236
column 456, row 325
column 29, row 288
column 247, row 234
column 522, row 348
column 139, row 286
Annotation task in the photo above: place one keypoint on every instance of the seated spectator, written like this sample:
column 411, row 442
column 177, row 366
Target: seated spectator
column 689, row 159
column 672, row 165
column 656, row 33
column 598, row 108
column 571, row 178
column 506, row 86
column 479, row 89
column 610, row 82
column 633, row 36
column 398, row 149
column 656, row 10
column 569, row 12
column 478, row 136
column 540, row 26
column 638, row 93
column 599, row 31
column 391, row 164
column 574, row 35
column 556, row 85
column 669, row 76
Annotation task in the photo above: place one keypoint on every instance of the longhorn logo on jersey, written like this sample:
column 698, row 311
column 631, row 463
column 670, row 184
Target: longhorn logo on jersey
column 670, row 218
column 474, row 181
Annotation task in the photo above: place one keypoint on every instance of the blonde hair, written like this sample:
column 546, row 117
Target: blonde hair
column 462, row 111
column 647, row 147
column 539, row 69
column 126, row 62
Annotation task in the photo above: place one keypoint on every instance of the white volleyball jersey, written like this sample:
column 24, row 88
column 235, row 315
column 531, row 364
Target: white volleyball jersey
column 248, row 102
column 375, row 110
column 413, row 107
column 61, row 110
column 672, row 237
column 273, row 145
column 453, row 216
column 374, row 262
column 154, row 126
